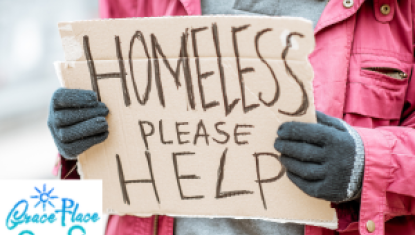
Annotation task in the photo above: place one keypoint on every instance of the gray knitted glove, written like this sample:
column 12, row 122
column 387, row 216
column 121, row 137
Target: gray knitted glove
column 76, row 121
column 325, row 160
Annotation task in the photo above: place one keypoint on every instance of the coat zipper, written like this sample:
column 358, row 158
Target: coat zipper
column 391, row 72
column 155, row 225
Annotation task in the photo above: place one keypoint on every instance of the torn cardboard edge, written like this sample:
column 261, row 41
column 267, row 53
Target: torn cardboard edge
column 57, row 65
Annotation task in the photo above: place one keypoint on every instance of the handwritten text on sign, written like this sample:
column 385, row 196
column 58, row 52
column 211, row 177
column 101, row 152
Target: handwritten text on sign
column 195, row 104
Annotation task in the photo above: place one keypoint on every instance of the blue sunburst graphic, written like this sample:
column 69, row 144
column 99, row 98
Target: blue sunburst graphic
column 44, row 197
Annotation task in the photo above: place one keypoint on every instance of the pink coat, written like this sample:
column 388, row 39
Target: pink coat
column 381, row 108
column 148, row 8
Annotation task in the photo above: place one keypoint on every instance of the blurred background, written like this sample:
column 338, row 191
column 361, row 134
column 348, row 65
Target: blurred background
column 29, row 44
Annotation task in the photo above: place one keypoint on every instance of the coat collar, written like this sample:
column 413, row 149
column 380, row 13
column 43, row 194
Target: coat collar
column 192, row 7
column 336, row 12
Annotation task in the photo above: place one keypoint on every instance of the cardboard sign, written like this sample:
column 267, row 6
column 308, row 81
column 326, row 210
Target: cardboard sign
column 195, row 104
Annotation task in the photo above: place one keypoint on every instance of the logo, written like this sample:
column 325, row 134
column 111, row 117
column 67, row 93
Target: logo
column 48, row 210
column 44, row 197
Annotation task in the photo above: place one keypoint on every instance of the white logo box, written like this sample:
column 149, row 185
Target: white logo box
column 32, row 207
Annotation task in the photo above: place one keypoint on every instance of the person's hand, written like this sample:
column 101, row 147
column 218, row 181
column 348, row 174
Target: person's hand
column 325, row 160
column 76, row 121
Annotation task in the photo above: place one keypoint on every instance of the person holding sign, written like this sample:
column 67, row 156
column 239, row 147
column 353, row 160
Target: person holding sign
column 360, row 154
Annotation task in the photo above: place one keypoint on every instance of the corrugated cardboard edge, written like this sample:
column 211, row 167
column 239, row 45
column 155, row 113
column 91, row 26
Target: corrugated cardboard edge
column 58, row 70
column 79, row 169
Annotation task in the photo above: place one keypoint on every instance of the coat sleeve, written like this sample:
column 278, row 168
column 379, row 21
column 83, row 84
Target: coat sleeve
column 389, row 175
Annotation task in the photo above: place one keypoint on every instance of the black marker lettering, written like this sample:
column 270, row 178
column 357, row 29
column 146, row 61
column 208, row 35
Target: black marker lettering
column 236, row 134
column 201, row 76
column 221, row 132
column 221, row 172
column 262, row 181
column 159, row 84
column 228, row 107
column 162, row 135
column 123, row 182
column 144, row 135
column 201, row 126
column 304, row 104
column 183, row 60
column 179, row 177
column 94, row 76
column 139, row 36
column 157, row 48
column 179, row 133
column 241, row 71
column 277, row 87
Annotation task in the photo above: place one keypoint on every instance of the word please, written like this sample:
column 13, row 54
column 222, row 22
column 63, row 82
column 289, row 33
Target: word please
column 183, row 137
